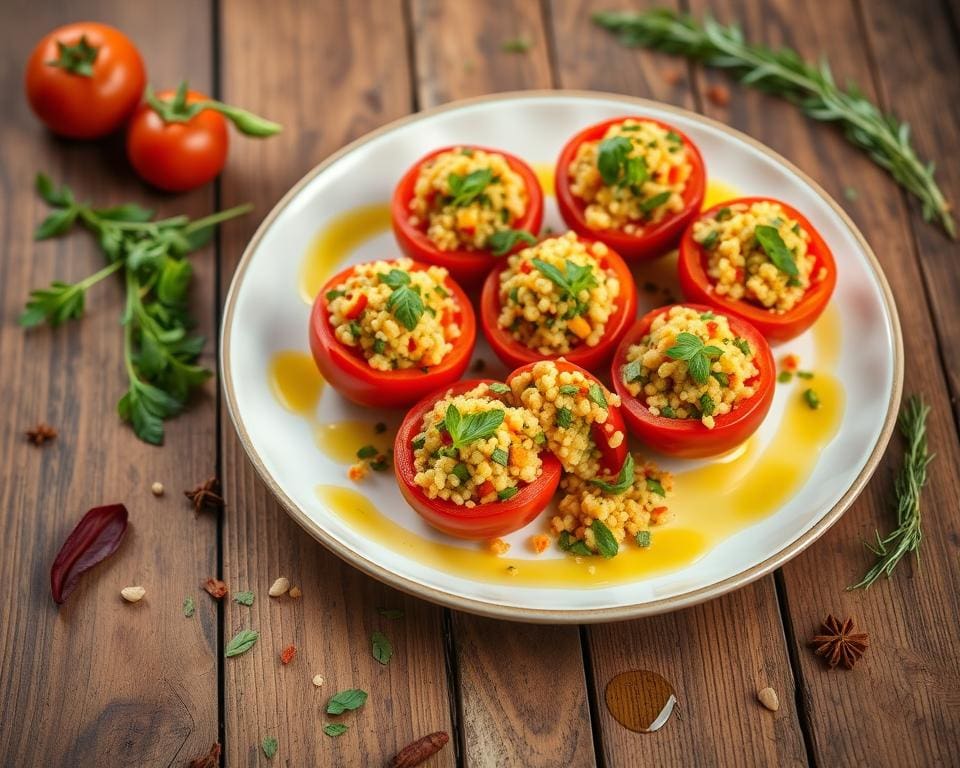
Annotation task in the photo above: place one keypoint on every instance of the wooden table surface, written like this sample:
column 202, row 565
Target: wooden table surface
column 99, row 683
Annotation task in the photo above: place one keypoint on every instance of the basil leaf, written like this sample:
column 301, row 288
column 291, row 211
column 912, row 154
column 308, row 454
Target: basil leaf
column 350, row 699
column 595, row 393
column 769, row 239
column 686, row 347
column 611, row 155
column 473, row 426
column 334, row 729
column 242, row 642
column 395, row 278
column 503, row 241
column 382, row 650
column 699, row 368
column 622, row 482
column 406, row 305
column 606, row 543
column 655, row 486
column 552, row 274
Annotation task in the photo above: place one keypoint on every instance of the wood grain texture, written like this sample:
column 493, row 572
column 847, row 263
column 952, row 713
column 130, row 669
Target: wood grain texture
column 98, row 681
column 316, row 72
column 544, row 720
column 899, row 707
column 731, row 647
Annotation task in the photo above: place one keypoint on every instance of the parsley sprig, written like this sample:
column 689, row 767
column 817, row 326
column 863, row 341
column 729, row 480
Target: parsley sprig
column 405, row 302
column 467, row 189
column 572, row 281
column 782, row 72
column 465, row 429
column 772, row 244
column 501, row 242
column 906, row 537
column 159, row 350
column 696, row 354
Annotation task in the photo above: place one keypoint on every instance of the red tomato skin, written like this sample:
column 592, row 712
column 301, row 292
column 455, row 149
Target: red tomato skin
column 467, row 267
column 611, row 459
column 696, row 285
column 80, row 107
column 484, row 521
column 654, row 241
column 352, row 377
column 176, row 157
column 515, row 354
column 689, row 438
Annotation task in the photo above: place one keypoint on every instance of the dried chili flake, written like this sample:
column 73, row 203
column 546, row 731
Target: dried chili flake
column 209, row 760
column 287, row 654
column 95, row 538
column 216, row 588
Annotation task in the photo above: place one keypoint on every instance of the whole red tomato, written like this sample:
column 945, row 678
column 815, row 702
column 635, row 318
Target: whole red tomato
column 83, row 80
column 172, row 146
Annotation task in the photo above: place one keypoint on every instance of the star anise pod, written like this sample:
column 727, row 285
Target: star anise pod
column 206, row 496
column 209, row 760
column 839, row 644
column 41, row 433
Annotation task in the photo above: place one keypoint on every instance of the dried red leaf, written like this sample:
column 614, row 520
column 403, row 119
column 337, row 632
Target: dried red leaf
column 416, row 753
column 287, row 654
column 209, row 760
column 215, row 587
column 95, row 538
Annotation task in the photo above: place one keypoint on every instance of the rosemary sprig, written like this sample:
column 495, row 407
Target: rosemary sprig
column 907, row 535
column 782, row 72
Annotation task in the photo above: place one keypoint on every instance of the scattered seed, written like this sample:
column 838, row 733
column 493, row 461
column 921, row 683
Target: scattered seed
column 768, row 697
column 157, row 489
column 719, row 94
column 133, row 594
column 279, row 587
column 295, row 593
column 318, row 680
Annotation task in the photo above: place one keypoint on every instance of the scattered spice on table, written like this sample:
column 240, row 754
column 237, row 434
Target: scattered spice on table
column 189, row 607
column 206, row 496
column 269, row 746
column 94, row 539
column 784, row 73
column 906, row 537
column 516, row 45
column 209, row 760
column 839, row 644
column 133, row 594
column 41, row 434
column 318, row 680
column 287, row 654
column 719, row 94
column 416, row 753
column 768, row 697
column 216, row 588
column 279, row 587
column 295, row 593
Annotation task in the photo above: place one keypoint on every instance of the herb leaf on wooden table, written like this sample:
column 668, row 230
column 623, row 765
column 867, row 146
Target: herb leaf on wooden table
column 350, row 699
column 782, row 72
column 159, row 351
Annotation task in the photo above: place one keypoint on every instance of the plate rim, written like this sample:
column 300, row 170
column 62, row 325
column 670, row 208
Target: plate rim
column 540, row 615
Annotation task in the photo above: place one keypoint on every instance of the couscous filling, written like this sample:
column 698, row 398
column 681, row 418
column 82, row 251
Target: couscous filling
column 474, row 448
column 558, row 294
column 757, row 253
column 567, row 405
column 395, row 317
column 596, row 515
column 634, row 176
column 690, row 366
column 463, row 198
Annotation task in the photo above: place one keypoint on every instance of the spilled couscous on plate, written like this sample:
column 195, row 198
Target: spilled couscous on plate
column 567, row 405
column 395, row 316
column 690, row 366
column 463, row 197
column 558, row 294
column 626, row 507
column 758, row 253
column 634, row 176
column 475, row 448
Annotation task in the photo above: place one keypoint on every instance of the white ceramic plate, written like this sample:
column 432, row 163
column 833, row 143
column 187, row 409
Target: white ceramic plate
column 265, row 314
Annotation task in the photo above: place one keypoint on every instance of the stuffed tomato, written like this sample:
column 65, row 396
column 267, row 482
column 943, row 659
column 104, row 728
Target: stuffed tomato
column 562, row 297
column 633, row 183
column 463, row 208
column 761, row 260
column 693, row 382
column 472, row 463
column 386, row 333
column 579, row 418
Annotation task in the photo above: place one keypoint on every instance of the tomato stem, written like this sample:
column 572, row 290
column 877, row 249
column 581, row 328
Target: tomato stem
column 177, row 110
column 77, row 59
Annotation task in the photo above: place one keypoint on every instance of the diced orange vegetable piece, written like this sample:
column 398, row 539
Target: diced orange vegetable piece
column 539, row 542
column 579, row 327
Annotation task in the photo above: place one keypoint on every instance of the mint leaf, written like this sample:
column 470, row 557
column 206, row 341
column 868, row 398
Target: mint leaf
column 621, row 483
column 500, row 456
column 382, row 649
column 350, row 699
column 466, row 189
column 769, row 239
column 632, row 371
column 464, row 430
column 242, row 642
column 611, row 157
column 564, row 417
column 606, row 543
column 406, row 305
column 595, row 393
column 335, row 729
column 503, row 241
column 269, row 746
column 395, row 278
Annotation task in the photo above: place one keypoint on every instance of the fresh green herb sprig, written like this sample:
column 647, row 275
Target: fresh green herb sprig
column 782, row 257
column 468, row 428
column 572, row 281
column 906, row 537
column 621, row 483
column 159, row 350
column 405, row 302
column 467, row 189
column 782, row 72
column 696, row 354
column 501, row 242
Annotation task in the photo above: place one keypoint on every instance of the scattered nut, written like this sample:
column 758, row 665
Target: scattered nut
column 157, row 489
column 318, row 680
column 132, row 594
column 295, row 593
column 768, row 697
column 279, row 587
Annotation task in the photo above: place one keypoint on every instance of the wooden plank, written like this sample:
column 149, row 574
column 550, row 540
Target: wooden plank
column 898, row 707
column 720, row 654
column 316, row 72
column 97, row 681
column 544, row 720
